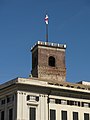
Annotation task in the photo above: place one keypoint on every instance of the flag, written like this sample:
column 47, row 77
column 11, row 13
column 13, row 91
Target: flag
column 46, row 19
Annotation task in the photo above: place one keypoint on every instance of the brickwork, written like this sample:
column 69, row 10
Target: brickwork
column 40, row 63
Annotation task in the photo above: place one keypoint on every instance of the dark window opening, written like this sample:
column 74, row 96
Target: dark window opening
column 37, row 99
column 11, row 114
column 57, row 101
column 52, row 114
column 86, row 116
column 8, row 99
column 2, row 101
column 71, row 102
column 28, row 97
column 75, row 115
column 79, row 104
column 2, row 115
column 51, row 61
column 64, row 115
column 32, row 113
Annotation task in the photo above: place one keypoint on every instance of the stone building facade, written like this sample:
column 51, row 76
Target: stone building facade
column 43, row 97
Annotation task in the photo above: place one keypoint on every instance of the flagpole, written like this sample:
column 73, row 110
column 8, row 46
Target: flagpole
column 46, row 21
column 46, row 32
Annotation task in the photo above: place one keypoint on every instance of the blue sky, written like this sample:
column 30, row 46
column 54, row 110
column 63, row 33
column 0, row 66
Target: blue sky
column 22, row 25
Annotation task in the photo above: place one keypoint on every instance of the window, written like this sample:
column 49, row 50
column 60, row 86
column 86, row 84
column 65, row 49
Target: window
column 52, row 114
column 2, row 115
column 3, row 102
column 8, row 99
column 57, row 101
column 63, row 115
column 71, row 102
column 51, row 61
column 32, row 113
column 79, row 104
column 75, row 115
column 37, row 98
column 11, row 114
column 28, row 97
column 86, row 116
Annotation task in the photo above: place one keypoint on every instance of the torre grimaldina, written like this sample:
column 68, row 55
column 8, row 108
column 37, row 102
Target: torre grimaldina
column 48, row 61
column 45, row 95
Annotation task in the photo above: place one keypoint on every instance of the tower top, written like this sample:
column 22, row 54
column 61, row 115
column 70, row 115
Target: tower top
column 49, row 44
column 48, row 61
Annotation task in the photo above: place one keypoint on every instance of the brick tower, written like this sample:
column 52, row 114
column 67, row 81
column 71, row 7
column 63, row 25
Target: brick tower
column 48, row 61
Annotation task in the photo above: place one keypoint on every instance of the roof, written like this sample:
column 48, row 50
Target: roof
column 45, row 83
